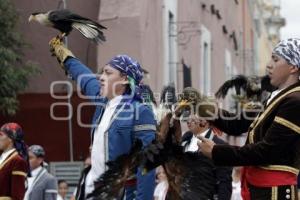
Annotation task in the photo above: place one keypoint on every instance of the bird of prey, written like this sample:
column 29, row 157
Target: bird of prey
column 168, row 96
column 254, row 87
column 189, row 178
column 167, row 100
column 64, row 20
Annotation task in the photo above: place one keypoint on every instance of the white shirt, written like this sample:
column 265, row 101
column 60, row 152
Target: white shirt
column 273, row 94
column 193, row 146
column 5, row 154
column 30, row 181
column 59, row 197
column 161, row 190
column 236, row 191
column 98, row 147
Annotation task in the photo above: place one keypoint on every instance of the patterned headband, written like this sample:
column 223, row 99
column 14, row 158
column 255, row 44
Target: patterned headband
column 289, row 50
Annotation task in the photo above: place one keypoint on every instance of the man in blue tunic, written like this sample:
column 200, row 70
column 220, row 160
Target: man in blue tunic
column 119, row 117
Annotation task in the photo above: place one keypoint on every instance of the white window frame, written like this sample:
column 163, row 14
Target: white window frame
column 205, row 68
column 228, row 65
column 170, row 57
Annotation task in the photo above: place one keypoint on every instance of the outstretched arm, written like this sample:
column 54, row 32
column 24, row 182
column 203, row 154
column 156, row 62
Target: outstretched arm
column 84, row 77
column 230, row 123
column 277, row 143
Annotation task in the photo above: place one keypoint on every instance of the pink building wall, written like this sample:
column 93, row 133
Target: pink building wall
column 136, row 27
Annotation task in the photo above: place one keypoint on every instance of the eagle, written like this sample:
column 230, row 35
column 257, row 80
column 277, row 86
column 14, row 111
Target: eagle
column 186, row 182
column 255, row 88
column 189, row 178
column 65, row 20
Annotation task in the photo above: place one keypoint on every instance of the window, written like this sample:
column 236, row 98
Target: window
column 169, row 41
column 205, row 68
column 228, row 65
column 172, row 51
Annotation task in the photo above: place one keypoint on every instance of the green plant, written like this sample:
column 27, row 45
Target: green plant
column 14, row 72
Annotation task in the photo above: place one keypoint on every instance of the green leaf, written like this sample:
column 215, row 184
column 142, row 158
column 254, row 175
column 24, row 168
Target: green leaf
column 14, row 71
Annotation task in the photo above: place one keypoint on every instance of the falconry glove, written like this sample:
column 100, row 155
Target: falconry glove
column 58, row 49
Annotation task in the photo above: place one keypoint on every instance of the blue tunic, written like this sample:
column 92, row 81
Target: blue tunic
column 131, row 120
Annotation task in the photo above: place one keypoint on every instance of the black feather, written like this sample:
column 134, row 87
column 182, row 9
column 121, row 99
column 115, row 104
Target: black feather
column 237, row 82
column 110, row 185
column 168, row 96
column 189, row 174
column 198, row 178
column 253, row 86
column 266, row 84
column 64, row 20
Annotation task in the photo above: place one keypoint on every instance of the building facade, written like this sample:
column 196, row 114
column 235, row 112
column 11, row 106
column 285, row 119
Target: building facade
column 215, row 39
column 199, row 43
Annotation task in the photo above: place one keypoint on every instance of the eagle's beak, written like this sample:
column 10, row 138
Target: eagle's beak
column 32, row 17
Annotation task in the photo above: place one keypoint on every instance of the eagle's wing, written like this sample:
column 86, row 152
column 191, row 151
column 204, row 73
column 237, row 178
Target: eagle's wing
column 110, row 186
column 89, row 30
column 256, row 88
column 179, row 167
column 266, row 84
column 87, row 27
column 189, row 178
column 237, row 82
column 190, row 175
column 198, row 181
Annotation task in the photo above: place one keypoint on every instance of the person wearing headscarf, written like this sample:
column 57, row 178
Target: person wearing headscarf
column 41, row 185
column 13, row 162
column 120, row 117
column 271, row 155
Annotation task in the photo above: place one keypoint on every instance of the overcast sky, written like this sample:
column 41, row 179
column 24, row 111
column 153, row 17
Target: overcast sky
column 290, row 11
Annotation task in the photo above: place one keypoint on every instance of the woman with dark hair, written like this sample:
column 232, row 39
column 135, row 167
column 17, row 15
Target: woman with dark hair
column 13, row 162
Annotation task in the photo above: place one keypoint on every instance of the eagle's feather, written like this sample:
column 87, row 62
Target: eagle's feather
column 64, row 20
column 186, row 182
column 253, row 86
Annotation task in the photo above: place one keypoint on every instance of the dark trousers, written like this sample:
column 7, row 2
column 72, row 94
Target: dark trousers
column 284, row 192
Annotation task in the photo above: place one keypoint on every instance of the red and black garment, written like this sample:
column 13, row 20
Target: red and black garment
column 14, row 169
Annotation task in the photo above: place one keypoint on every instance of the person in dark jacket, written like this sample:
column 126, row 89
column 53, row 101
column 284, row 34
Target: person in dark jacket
column 271, row 155
column 222, row 175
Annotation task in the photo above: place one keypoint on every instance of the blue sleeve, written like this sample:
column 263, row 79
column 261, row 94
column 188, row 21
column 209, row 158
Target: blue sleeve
column 84, row 77
column 145, row 130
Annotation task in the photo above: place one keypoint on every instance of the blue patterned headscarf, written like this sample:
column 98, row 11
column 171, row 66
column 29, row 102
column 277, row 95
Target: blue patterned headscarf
column 289, row 50
column 130, row 67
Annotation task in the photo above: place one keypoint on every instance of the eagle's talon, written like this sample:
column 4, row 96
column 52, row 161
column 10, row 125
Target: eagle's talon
column 57, row 41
